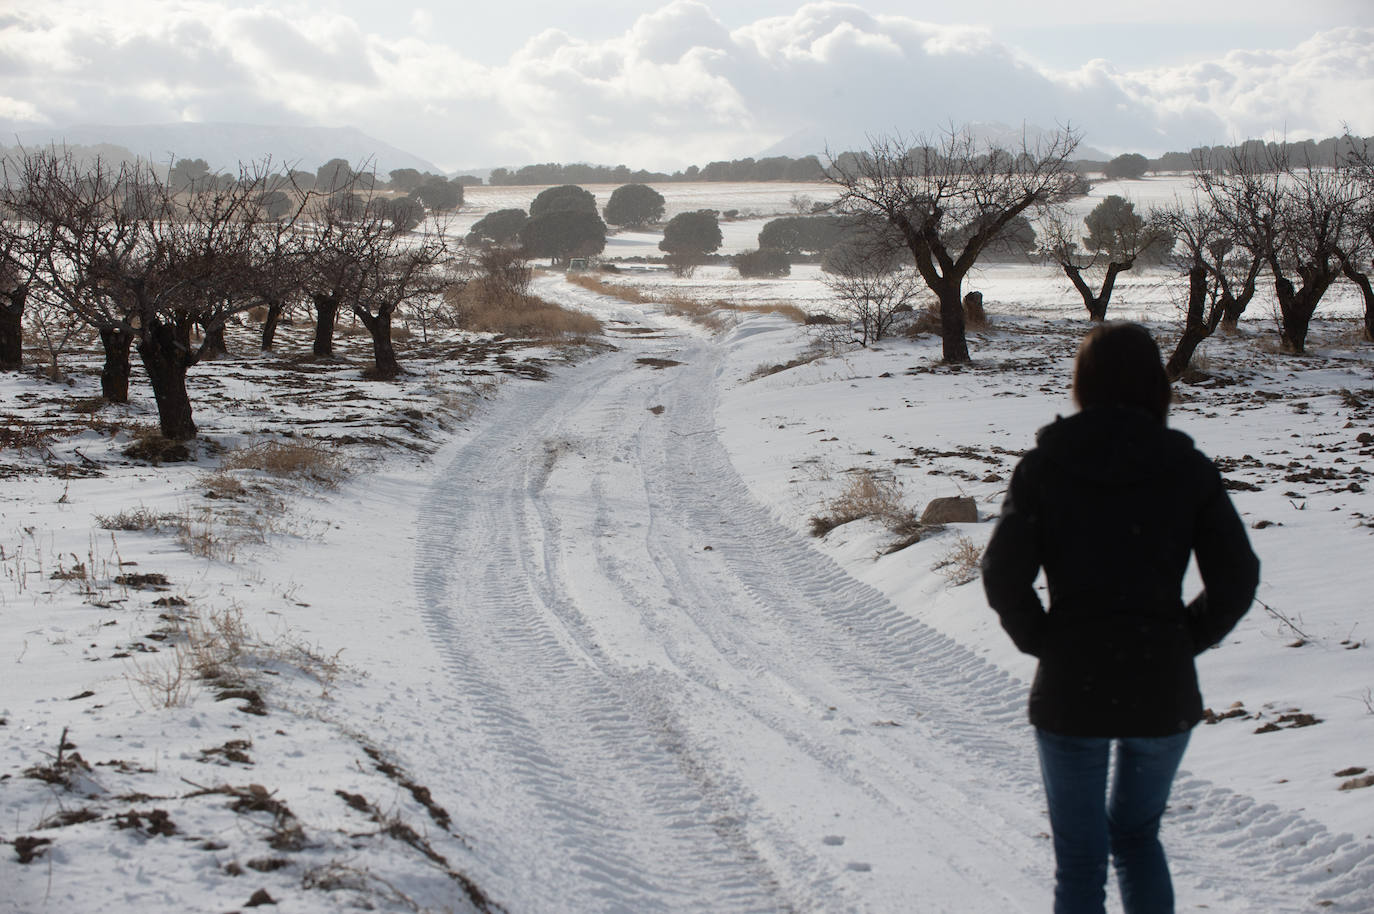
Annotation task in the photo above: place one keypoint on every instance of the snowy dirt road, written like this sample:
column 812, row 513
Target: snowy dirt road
column 664, row 700
column 682, row 706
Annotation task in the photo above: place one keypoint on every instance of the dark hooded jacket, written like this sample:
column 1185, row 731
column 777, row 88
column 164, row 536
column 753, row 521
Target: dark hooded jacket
column 1110, row 503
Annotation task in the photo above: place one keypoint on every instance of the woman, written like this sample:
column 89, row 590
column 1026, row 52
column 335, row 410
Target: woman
column 1111, row 504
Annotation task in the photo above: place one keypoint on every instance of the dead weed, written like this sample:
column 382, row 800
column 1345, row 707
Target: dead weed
column 310, row 460
column 960, row 563
column 867, row 495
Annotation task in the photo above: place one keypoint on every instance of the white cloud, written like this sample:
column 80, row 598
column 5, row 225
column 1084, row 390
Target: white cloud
column 18, row 110
column 676, row 87
column 1309, row 90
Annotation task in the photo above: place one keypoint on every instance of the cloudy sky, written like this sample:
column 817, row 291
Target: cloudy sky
column 670, row 83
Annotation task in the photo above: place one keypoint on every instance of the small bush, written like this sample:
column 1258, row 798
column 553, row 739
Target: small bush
column 763, row 262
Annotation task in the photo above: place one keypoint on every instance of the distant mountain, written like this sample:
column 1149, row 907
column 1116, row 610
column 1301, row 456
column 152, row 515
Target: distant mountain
column 224, row 146
column 814, row 140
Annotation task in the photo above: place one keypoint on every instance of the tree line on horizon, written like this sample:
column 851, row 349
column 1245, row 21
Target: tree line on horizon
column 1128, row 165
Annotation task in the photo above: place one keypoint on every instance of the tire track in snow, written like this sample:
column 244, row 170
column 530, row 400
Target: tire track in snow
column 599, row 816
column 977, row 709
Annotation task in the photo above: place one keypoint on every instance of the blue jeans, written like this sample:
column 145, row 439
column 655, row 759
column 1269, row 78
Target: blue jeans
column 1088, row 824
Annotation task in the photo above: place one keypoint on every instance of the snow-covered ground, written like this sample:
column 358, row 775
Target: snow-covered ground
column 567, row 643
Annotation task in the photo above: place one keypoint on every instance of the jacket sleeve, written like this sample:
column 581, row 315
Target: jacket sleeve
column 1229, row 568
column 1011, row 563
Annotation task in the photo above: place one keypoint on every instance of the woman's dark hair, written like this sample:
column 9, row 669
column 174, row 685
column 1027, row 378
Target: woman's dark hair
column 1119, row 365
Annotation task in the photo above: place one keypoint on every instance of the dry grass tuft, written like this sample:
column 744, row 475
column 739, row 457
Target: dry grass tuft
column 149, row 445
column 167, row 681
column 713, row 315
column 139, row 518
column 787, row 309
column 960, row 564
column 926, row 320
column 218, row 644
column 707, row 313
column 806, row 358
column 301, row 459
column 596, row 284
column 867, row 495
column 205, row 536
column 478, row 307
column 223, row 484
column 220, row 649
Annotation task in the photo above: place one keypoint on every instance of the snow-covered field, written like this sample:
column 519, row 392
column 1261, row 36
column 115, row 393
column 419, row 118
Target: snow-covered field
column 566, row 642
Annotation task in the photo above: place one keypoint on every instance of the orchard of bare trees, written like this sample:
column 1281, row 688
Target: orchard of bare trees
column 159, row 267
column 1260, row 216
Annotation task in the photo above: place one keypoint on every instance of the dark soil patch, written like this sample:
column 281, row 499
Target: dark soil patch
column 656, row 363
column 69, row 817
column 30, row 848
column 150, row 581
column 151, row 822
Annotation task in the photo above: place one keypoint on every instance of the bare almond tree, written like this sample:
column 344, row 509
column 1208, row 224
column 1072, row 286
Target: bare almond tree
column 80, row 208
column 1357, row 252
column 1221, row 276
column 146, row 264
column 359, row 259
column 929, row 189
column 1296, row 217
column 25, row 247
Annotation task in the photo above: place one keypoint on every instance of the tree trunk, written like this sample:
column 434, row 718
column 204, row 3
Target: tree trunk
column 383, row 352
column 1195, row 329
column 1096, row 302
column 1230, row 316
column 1361, row 281
column 12, row 329
column 114, row 376
column 1292, row 320
column 269, row 326
column 166, row 353
column 326, row 312
column 1233, row 306
column 1294, row 315
column 954, row 341
column 1297, row 305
